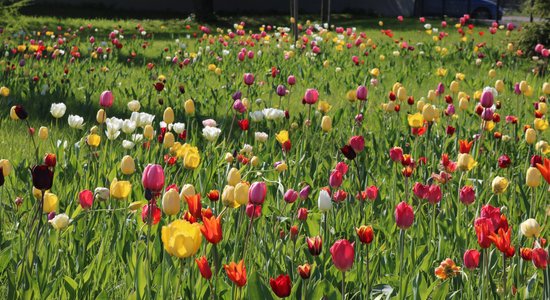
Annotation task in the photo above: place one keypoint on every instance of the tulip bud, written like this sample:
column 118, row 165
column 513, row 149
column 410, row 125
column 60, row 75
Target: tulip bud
column 187, row 190
column 324, row 202
column 60, row 222
column 168, row 115
column 255, row 161
column 257, row 193
column 86, row 199
column 241, row 193
column 326, row 123
column 471, row 259
column 233, row 177
column 101, row 116
column 533, row 177
column 530, row 136
column 404, row 215
column 148, row 132
column 171, row 202
column 530, row 228
column 499, row 185
column 127, row 165
column 169, row 140
column 290, row 196
column 43, row 133
column 343, row 254
column 228, row 196
column 467, row 195
column 189, row 107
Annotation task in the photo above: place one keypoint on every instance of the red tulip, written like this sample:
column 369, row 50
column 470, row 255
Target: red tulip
column 342, row 167
column 396, row 154
column 504, row 161
column 50, row 160
column 335, row 179
column 365, row 234
column 471, row 259
column 86, row 199
column 420, row 190
column 214, row 195
column 257, row 193
column 540, row 258
column 434, row 194
column 372, row 192
column 194, row 204
column 155, row 214
column 357, row 143
column 302, row 214
column 315, row 245
column 311, row 96
column 204, row 267
column 153, row 178
column 484, row 228
column 253, row 211
column 526, row 253
column 304, row 271
column 467, row 195
column 343, row 254
column 404, row 215
column 281, row 285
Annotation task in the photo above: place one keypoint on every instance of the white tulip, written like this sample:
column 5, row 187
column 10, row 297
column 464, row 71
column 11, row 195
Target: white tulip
column 256, row 116
column 324, row 202
column 58, row 110
column 260, row 136
column 127, row 144
column 134, row 105
column 178, row 127
column 273, row 113
column 211, row 133
column 128, row 126
column 60, row 221
column 76, row 121
column 102, row 193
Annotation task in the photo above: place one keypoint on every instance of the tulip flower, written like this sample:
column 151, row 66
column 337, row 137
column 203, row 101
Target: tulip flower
column 311, row 96
column 467, row 195
column 42, row 177
column 357, row 143
column 6, row 167
column 194, row 204
column 171, row 202
column 502, row 241
column 106, row 99
column 314, row 245
column 530, row 228
column 236, row 273
column 153, row 178
column 120, row 189
column 447, row 269
column 257, row 193
column 281, row 285
column 127, row 165
column 343, row 254
column 60, row 222
column 471, row 259
column 233, row 177
column 396, row 154
column 290, row 196
column 304, row 271
column 51, row 202
column 499, row 185
column 540, row 258
column 204, row 267
column 365, row 234
column 324, row 202
column 404, row 215
column 348, row 152
column 212, row 229
column 86, row 199
column 533, row 177
column 181, row 238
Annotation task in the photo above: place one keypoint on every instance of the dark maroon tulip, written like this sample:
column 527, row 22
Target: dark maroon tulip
column 42, row 177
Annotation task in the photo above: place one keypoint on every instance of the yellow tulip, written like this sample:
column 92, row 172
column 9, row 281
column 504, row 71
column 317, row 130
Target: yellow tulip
column 4, row 91
column 168, row 115
column 533, row 177
column 389, row 107
column 229, row 157
column 429, row 113
column 499, row 86
column 228, row 197
column 530, row 136
column 420, row 105
column 191, row 160
column 530, row 228
column 120, row 189
column 543, row 108
column 171, row 202
column 463, row 103
column 101, row 116
column 351, row 96
column 324, row 107
column 148, row 132
column 189, row 107
column 489, row 126
column 281, row 167
column 181, row 238
column 375, row 72
column 127, row 165
column 43, row 133
column 255, row 161
column 233, row 177
column 246, row 103
column 326, row 123
column 396, row 87
column 13, row 115
column 51, row 202
column 523, row 86
column 492, row 73
column 454, row 86
column 465, row 162
column 431, row 95
column 546, row 88
column 60, row 222
column 282, row 136
column 543, row 147
column 93, row 140
column 169, row 140
column 529, row 91
column 241, row 193
column 6, row 167
column 541, row 124
column 416, row 120
column 499, row 185
column 402, row 93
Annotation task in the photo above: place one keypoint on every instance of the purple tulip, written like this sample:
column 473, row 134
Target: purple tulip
column 361, row 92
column 106, row 99
column 486, row 99
column 281, row 90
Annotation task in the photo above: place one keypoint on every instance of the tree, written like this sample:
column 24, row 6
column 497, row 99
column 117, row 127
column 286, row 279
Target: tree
column 204, row 9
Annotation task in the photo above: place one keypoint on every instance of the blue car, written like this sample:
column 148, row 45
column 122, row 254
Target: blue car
column 478, row 9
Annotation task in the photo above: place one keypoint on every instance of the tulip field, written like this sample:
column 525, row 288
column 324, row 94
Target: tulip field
column 397, row 158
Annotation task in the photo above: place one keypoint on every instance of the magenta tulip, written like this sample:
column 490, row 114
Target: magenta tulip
column 257, row 193
column 153, row 178
column 106, row 99
column 343, row 254
column 361, row 92
column 311, row 96
column 404, row 215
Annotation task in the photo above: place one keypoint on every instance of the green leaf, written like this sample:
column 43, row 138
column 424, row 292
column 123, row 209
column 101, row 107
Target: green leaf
column 324, row 289
column 70, row 286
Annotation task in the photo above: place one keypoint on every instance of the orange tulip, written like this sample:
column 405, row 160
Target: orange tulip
column 447, row 269
column 545, row 169
column 365, row 234
column 195, row 206
column 236, row 273
column 212, row 229
column 502, row 241
column 465, row 146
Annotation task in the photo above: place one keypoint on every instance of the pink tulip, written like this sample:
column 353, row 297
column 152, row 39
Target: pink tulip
column 342, row 167
column 404, row 215
column 420, row 190
column 290, row 196
column 396, row 154
column 400, row 18
column 248, row 78
column 487, row 99
column 304, row 192
column 361, row 92
column 311, row 96
column 86, row 199
column 153, row 178
column 291, row 80
column 106, row 99
column 343, row 255
column 467, row 195
column 539, row 47
column 257, row 193
column 253, row 211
